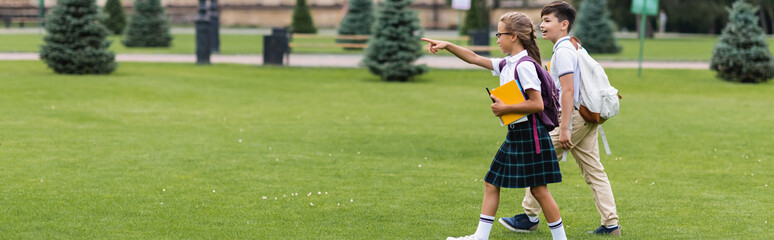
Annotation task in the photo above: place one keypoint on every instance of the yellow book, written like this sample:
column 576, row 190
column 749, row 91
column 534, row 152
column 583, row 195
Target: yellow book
column 510, row 94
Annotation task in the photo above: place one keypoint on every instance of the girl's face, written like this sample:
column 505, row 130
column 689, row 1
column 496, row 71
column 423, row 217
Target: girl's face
column 552, row 28
column 506, row 40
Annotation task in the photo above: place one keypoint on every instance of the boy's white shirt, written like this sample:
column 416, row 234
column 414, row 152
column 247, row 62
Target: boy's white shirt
column 564, row 60
column 527, row 73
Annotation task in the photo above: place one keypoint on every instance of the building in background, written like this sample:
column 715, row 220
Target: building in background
column 433, row 14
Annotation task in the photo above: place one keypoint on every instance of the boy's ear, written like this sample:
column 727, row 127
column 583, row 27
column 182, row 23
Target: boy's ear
column 565, row 25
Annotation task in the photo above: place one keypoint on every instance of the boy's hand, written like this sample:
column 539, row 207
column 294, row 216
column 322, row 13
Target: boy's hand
column 564, row 138
column 435, row 45
column 498, row 107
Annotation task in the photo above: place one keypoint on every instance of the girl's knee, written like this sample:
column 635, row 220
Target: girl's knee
column 538, row 191
column 488, row 187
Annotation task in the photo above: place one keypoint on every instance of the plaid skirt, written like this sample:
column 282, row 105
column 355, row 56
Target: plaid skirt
column 518, row 165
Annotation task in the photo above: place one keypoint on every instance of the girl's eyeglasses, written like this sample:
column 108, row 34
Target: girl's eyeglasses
column 500, row 34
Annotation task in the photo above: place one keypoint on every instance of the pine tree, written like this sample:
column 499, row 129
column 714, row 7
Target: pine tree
column 741, row 53
column 302, row 19
column 357, row 21
column 148, row 26
column 476, row 18
column 76, row 42
column 394, row 44
column 594, row 27
column 116, row 20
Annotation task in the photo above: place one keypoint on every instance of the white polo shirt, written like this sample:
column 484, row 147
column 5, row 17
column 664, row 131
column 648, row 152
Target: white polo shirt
column 527, row 73
column 565, row 61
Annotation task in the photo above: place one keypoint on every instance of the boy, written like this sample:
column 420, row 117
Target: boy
column 557, row 18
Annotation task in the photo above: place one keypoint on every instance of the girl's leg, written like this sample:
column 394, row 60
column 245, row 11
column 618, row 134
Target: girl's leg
column 550, row 210
column 491, row 200
column 543, row 196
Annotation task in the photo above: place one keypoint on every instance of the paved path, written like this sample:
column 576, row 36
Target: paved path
column 346, row 60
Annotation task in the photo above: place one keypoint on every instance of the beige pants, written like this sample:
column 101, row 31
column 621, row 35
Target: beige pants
column 586, row 154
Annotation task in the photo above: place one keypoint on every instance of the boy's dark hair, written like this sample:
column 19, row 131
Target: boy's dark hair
column 562, row 11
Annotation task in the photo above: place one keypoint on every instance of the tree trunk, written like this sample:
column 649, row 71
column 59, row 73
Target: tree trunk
column 770, row 11
column 764, row 23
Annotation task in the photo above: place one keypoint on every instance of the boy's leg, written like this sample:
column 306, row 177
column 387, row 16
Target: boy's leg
column 586, row 154
column 530, row 204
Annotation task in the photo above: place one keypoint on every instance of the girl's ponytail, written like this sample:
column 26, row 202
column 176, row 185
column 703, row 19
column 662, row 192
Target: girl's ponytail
column 519, row 24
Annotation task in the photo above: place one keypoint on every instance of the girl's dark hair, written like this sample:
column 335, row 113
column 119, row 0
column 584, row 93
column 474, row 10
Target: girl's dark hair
column 562, row 11
column 519, row 24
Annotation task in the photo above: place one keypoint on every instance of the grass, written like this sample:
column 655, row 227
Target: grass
column 666, row 49
column 94, row 157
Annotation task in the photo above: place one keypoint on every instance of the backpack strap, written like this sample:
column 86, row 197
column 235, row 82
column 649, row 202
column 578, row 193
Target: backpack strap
column 534, row 116
column 574, row 40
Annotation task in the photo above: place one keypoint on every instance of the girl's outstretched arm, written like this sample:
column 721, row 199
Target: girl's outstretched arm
column 461, row 52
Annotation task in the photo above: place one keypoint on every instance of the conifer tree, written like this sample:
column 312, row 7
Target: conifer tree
column 394, row 43
column 76, row 42
column 594, row 27
column 302, row 19
column 148, row 27
column 357, row 21
column 116, row 19
column 741, row 53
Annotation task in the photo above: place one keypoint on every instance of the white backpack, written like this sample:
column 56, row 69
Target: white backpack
column 598, row 99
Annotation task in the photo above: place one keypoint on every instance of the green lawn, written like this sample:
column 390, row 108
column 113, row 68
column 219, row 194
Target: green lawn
column 667, row 49
column 177, row 151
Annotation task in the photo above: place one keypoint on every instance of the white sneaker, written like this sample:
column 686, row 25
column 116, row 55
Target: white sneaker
column 471, row 237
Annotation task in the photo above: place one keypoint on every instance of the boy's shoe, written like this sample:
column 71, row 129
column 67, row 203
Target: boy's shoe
column 471, row 237
column 519, row 223
column 602, row 230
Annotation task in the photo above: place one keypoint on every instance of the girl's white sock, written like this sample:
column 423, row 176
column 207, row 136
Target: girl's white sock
column 533, row 219
column 484, row 227
column 557, row 230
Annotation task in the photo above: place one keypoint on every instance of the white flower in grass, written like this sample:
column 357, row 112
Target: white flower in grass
column 269, row 148
column 326, row 193
column 420, row 165
column 264, row 197
column 240, row 140
column 635, row 180
column 752, row 174
column 330, row 154
column 310, row 194
column 351, row 200
column 318, row 193
column 283, row 195
column 213, row 190
column 652, row 183
column 162, row 203
column 766, row 185
column 164, row 190
column 338, row 204
column 358, row 153
column 425, row 158
column 276, row 159
column 311, row 204
column 275, row 198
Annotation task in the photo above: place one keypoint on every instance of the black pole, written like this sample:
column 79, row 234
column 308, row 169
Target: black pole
column 202, row 35
column 214, row 27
